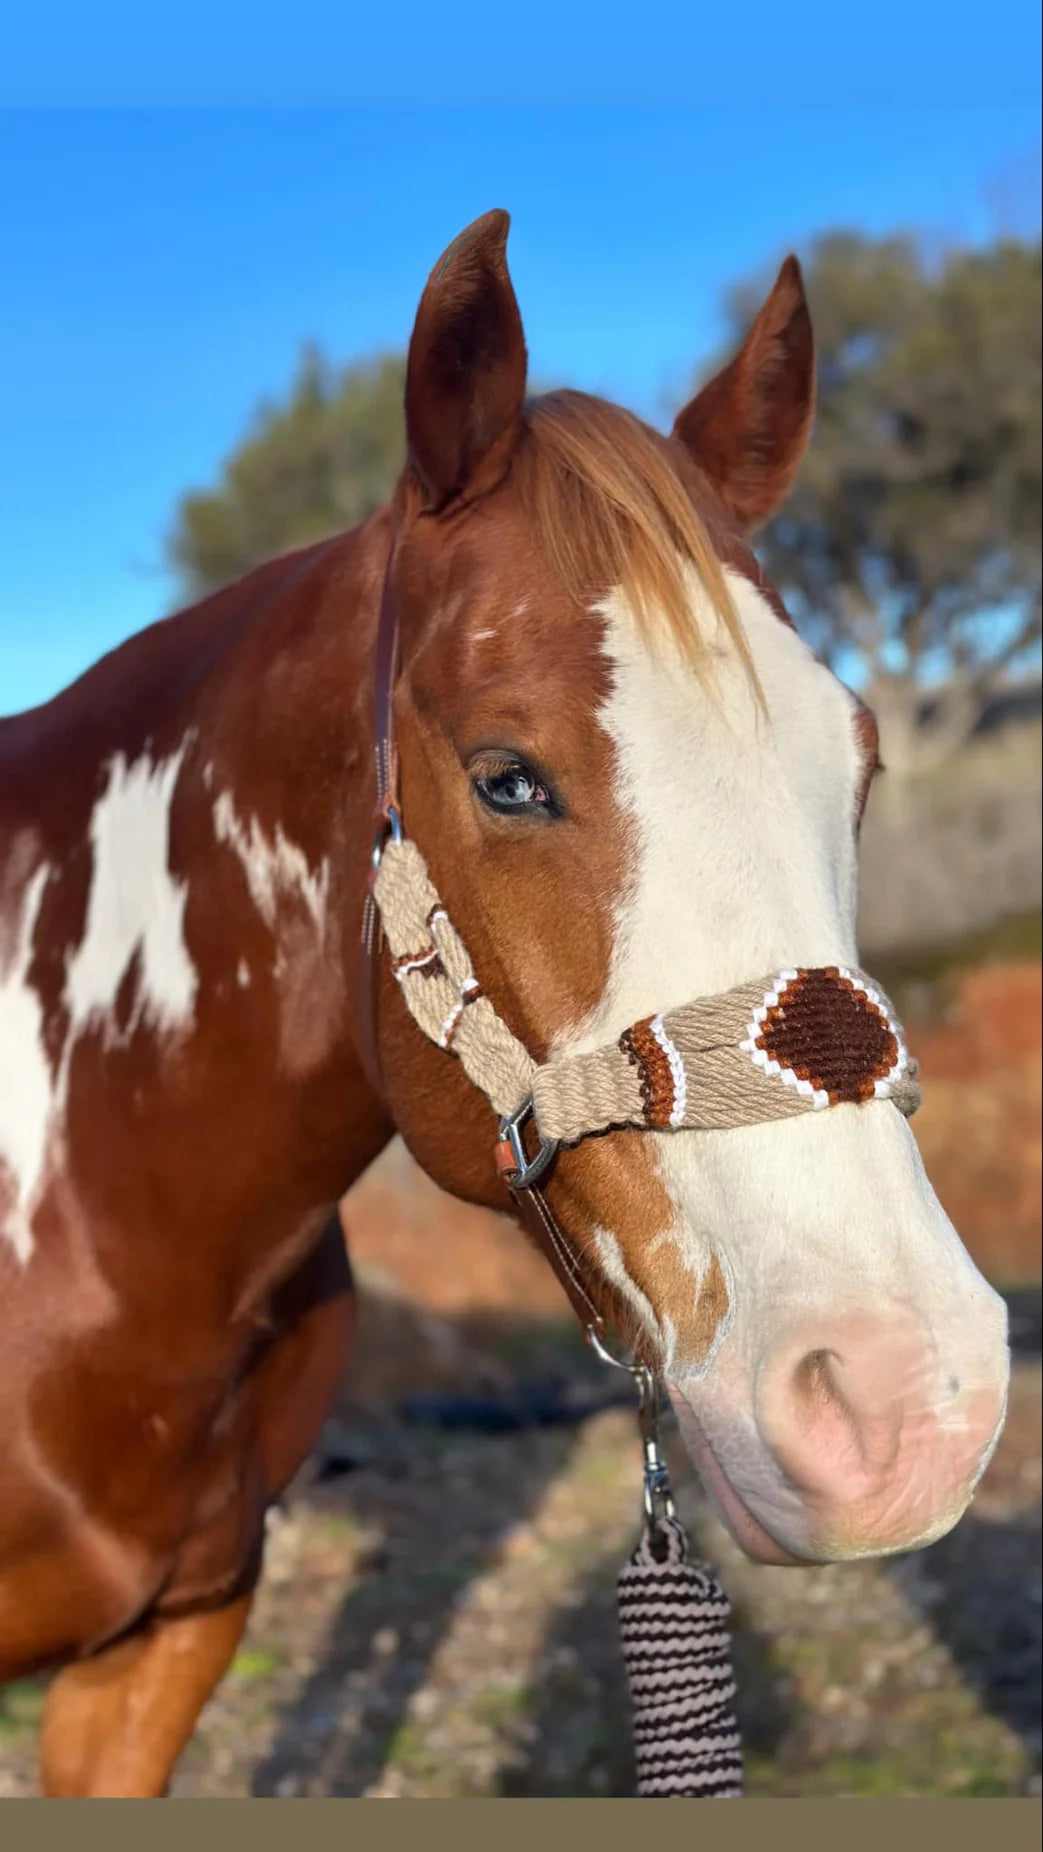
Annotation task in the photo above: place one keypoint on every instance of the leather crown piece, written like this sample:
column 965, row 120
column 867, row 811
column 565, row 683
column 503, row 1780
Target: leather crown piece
column 800, row 1040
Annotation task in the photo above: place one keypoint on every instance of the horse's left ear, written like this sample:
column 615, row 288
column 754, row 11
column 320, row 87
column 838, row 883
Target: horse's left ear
column 465, row 377
column 749, row 427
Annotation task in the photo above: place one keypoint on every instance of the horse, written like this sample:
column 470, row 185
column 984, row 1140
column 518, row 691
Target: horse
column 634, row 785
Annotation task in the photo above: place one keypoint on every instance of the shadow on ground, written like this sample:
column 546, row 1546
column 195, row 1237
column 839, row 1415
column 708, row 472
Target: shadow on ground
column 491, row 1421
column 526, row 1384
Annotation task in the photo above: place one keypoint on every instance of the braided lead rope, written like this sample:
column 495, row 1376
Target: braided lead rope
column 673, row 1618
column 795, row 1042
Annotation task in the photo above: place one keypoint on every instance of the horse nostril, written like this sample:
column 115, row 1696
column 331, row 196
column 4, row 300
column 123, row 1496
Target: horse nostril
column 815, row 1382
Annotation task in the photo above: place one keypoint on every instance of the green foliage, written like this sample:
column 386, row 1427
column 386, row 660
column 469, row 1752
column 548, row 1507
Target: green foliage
column 319, row 461
column 258, row 1662
column 21, row 1705
column 918, row 507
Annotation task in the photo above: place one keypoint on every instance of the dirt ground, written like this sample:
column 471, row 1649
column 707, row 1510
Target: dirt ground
column 437, row 1611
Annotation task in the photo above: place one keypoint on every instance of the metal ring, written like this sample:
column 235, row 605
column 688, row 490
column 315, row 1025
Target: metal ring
column 388, row 830
column 528, row 1170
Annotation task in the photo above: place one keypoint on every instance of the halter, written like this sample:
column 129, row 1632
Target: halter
column 799, row 1040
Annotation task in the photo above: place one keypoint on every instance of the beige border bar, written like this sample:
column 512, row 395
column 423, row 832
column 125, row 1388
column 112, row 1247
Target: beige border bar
column 519, row 1825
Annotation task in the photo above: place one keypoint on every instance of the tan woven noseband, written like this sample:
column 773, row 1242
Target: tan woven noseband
column 796, row 1041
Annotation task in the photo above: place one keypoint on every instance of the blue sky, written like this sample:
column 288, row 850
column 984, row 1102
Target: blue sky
column 163, row 262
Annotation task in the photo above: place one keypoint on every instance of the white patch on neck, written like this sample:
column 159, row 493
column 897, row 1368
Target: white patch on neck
column 25, row 1077
column 272, row 868
column 136, row 906
column 135, row 909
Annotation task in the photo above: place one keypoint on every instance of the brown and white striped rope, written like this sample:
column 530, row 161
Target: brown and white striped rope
column 794, row 1042
column 673, row 1618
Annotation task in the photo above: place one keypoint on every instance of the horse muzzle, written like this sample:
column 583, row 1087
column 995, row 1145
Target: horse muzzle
column 850, row 1440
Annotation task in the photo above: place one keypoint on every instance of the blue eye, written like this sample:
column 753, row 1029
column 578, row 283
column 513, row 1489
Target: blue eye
column 511, row 788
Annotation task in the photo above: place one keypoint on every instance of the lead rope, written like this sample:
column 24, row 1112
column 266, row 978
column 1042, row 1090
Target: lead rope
column 673, row 1618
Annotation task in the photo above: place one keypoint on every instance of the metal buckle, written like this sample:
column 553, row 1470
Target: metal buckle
column 523, row 1172
column 388, row 829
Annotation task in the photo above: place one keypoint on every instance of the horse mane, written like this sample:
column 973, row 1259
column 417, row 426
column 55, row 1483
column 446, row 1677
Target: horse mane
column 606, row 505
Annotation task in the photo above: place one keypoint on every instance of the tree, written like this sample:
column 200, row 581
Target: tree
column 912, row 540
column 319, row 462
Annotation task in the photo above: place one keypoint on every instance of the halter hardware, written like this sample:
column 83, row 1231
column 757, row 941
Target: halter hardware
column 657, row 1495
column 518, row 1170
column 389, row 829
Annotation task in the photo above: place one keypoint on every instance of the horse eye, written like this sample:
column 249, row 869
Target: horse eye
column 511, row 788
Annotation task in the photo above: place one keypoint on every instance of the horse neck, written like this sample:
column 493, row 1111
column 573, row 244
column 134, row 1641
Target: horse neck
column 200, row 801
column 283, row 729
column 282, row 760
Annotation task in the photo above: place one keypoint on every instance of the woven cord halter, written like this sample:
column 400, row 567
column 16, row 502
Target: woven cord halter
column 795, row 1041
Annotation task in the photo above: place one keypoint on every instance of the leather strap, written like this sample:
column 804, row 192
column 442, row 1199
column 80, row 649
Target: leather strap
column 387, row 809
column 387, row 816
column 385, row 675
column 562, row 1260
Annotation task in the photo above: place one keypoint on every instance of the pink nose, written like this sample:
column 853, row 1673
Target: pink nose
column 880, row 1442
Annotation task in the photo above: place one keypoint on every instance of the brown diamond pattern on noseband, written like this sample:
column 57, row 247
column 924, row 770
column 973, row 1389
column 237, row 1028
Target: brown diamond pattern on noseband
column 828, row 1034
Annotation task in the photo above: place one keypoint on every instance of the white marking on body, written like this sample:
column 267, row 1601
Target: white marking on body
column 242, row 975
column 292, row 899
column 274, row 868
column 614, row 1267
column 135, row 910
column 25, row 1076
column 136, row 906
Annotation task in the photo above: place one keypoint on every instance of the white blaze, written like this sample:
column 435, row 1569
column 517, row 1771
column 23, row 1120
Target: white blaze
column 746, row 857
column 744, row 864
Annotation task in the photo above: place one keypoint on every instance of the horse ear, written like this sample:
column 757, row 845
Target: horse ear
column 465, row 377
column 748, row 428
